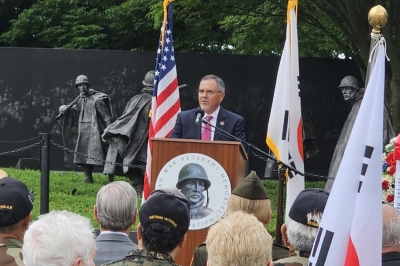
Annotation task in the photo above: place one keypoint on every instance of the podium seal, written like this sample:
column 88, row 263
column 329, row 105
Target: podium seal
column 203, row 181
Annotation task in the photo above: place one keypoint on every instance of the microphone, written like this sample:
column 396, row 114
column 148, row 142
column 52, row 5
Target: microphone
column 199, row 116
column 183, row 86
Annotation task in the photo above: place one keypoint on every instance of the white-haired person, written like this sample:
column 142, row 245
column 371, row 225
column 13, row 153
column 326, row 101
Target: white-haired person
column 390, row 236
column 301, row 227
column 239, row 239
column 116, row 211
column 249, row 196
column 59, row 238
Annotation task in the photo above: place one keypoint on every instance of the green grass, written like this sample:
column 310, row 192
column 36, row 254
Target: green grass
column 61, row 186
column 82, row 201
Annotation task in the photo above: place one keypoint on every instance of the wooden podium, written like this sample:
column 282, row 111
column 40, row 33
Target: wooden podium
column 229, row 154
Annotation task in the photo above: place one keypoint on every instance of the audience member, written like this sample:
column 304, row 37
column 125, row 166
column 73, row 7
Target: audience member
column 59, row 238
column 239, row 239
column 16, row 203
column 250, row 197
column 301, row 227
column 390, row 236
column 164, row 221
column 115, row 210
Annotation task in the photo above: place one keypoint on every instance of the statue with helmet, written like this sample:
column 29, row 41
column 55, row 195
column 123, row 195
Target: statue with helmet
column 353, row 94
column 84, row 122
column 127, row 137
column 192, row 182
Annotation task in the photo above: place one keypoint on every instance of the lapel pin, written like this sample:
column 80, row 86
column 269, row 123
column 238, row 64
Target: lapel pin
column 222, row 123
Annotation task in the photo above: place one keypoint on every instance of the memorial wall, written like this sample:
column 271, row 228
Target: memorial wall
column 35, row 82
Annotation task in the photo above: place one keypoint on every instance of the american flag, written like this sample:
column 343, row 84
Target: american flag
column 165, row 104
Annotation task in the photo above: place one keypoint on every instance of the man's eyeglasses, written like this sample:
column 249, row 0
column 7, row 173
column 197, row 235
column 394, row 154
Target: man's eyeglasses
column 208, row 92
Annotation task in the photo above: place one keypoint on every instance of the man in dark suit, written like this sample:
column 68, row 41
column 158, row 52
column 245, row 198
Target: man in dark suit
column 211, row 92
column 116, row 211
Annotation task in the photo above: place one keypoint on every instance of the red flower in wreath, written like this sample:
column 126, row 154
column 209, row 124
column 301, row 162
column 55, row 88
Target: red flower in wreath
column 392, row 170
column 390, row 159
column 385, row 184
column 390, row 198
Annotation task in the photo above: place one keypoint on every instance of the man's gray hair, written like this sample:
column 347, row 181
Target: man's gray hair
column 218, row 80
column 301, row 236
column 116, row 206
column 391, row 227
column 58, row 238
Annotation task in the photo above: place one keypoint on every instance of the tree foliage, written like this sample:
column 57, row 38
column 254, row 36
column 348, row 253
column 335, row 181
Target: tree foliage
column 326, row 28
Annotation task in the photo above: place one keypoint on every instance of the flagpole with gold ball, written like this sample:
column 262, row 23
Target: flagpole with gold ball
column 377, row 18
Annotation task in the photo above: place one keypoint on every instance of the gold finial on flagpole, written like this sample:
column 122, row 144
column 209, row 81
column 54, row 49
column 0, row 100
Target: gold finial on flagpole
column 377, row 18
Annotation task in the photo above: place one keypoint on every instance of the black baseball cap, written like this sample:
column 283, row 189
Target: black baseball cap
column 169, row 207
column 16, row 199
column 308, row 200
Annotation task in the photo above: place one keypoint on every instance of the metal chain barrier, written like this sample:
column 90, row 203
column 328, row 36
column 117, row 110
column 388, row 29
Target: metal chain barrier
column 119, row 164
column 95, row 159
column 20, row 149
column 324, row 177
column 319, row 176
column 19, row 141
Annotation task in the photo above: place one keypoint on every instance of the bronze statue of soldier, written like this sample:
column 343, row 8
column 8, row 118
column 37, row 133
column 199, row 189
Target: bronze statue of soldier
column 84, row 122
column 354, row 94
column 127, row 137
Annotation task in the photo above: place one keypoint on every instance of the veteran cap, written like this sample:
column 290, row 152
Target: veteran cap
column 16, row 199
column 308, row 200
column 251, row 188
column 169, row 207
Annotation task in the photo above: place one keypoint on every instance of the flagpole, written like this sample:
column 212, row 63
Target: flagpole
column 357, row 191
column 280, row 207
column 377, row 18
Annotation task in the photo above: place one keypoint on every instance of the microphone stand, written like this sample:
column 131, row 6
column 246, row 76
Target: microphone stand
column 281, row 174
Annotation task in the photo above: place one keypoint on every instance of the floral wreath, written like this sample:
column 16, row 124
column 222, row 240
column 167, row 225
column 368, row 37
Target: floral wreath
column 389, row 173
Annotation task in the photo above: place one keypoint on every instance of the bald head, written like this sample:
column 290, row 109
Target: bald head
column 391, row 229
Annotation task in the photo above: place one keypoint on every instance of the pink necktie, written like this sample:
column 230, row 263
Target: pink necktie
column 206, row 133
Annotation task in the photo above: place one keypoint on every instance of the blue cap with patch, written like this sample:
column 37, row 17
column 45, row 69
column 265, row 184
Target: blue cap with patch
column 15, row 198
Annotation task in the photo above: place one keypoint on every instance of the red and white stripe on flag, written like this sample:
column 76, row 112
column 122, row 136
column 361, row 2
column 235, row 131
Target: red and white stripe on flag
column 351, row 227
column 165, row 104
column 285, row 128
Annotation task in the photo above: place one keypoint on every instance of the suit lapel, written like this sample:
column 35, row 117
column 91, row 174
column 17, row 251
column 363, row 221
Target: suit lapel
column 220, row 123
